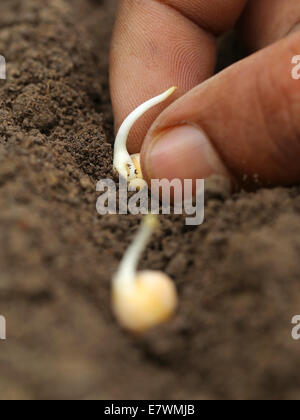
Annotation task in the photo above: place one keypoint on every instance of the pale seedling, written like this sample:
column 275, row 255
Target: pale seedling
column 128, row 166
column 142, row 300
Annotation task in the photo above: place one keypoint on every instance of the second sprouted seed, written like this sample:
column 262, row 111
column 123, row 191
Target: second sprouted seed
column 128, row 166
column 142, row 300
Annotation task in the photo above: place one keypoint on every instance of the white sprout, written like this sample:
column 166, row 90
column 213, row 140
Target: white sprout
column 129, row 166
column 142, row 300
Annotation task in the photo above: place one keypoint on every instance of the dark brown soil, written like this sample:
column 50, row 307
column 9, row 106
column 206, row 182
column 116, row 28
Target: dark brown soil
column 238, row 275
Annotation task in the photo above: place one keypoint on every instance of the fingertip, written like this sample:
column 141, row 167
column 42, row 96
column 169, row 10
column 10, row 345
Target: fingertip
column 182, row 152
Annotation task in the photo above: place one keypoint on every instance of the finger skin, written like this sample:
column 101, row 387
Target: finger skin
column 216, row 16
column 159, row 44
column 267, row 21
column 250, row 112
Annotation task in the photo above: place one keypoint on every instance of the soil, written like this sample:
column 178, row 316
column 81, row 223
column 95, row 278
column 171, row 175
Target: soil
column 238, row 274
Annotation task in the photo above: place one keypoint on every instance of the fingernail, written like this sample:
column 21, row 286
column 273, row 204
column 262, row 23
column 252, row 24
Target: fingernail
column 296, row 28
column 183, row 152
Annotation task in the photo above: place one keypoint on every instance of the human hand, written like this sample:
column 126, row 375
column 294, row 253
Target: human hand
column 243, row 123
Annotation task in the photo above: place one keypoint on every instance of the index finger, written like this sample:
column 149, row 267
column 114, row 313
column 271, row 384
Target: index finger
column 161, row 43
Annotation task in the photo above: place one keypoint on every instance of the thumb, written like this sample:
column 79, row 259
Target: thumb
column 243, row 123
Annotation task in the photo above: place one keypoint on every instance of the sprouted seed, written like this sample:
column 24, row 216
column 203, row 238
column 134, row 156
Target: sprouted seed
column 142, row 300
column 127, row 166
